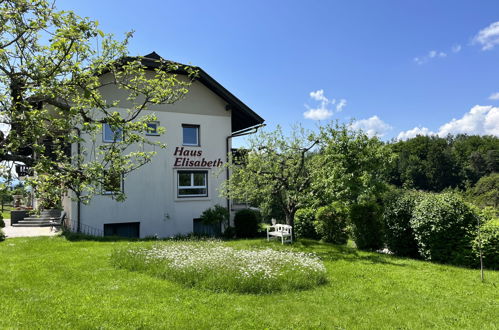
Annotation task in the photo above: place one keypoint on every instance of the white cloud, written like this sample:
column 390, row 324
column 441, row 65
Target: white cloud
column 373, row 126
column 318, row 95
column 324, row 110
column 494, row 96
column 456, row 48
column 431, row 55
column 317, row 114
column 488, row 37
column 414, row 132
column 341, row 105
column 480, row 120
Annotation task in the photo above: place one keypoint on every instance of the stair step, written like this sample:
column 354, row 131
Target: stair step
column 32, row 225
column 39, row 219
column 34, row 221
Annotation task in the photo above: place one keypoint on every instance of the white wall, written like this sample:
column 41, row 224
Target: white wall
column 151, row 189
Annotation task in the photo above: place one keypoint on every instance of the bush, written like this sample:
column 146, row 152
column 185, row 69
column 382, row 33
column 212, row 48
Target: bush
column 331, row 223
column 489, row 236
column 246, row 223
column 397, row 214
column 366, row 226
column 304, row 224
column 215, row 215
column 211, row 265
column 2, row 235
column 444, row 227
column 2, row 223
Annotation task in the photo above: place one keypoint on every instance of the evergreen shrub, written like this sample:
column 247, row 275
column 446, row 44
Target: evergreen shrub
column 331, row 223
column 304, row 224
column 246, row 223
column 367, row 225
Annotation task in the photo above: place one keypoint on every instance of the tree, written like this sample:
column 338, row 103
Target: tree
column 52, row 80
column 276, row 168
column 350, row 167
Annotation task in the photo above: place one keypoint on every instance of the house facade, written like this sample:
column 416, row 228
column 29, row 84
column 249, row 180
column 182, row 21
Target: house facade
column 167, row 196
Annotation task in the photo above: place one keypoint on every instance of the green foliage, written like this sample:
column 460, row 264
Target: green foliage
column 444, row 227
column 432, row 163
column 397, row 214
column 215, row 215
column 486, row 191
column 488, row 240
column 331, row 223
column 274, row 172
column 246, row 223
column 214, row 266
column 367, row 225
column 304, row 224
column 55, row 97
column 2, row 235
column 2, row 223
column 349, row 167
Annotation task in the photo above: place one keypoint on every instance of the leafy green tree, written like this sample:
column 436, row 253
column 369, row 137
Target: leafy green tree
column 52, row 79
column 486, row 191
column 349, row 167
column 276, row 169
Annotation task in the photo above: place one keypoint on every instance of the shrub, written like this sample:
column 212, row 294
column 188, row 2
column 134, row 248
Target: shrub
column 246, row 223
column 2, row 223
column 367, row 226
column 2, row 235
column 444, row 227
column 331, row 223
column 304, row 224
column 489, row 237
column 397, row 214
column 215, row 215
column 211, row 265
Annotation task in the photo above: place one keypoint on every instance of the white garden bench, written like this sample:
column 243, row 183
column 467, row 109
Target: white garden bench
column 285, row 232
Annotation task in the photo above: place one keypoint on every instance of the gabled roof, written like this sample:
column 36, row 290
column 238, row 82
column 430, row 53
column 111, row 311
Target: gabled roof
column 242, row 115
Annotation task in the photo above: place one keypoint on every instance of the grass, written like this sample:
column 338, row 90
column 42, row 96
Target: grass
column 50, row 282
column 213, row 265
column 6, row 211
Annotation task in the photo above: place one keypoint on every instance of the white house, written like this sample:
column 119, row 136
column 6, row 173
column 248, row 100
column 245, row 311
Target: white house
column 167, row 195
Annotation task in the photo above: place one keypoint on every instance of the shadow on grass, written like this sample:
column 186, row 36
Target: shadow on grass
column 332, row 252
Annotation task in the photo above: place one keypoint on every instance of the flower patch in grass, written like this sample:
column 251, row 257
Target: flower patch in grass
column 211, row 265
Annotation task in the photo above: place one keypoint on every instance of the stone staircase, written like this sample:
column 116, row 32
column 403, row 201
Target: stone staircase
column 45, row 219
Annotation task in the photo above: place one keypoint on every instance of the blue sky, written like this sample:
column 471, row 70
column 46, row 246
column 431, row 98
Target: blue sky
column 400, row 67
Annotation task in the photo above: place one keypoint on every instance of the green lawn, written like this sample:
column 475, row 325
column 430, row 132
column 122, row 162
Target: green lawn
column 6, row 211
column 55, row 283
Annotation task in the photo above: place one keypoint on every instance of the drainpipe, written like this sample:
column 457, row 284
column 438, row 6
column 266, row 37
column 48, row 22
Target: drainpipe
column 78, row 204
column 243, row 132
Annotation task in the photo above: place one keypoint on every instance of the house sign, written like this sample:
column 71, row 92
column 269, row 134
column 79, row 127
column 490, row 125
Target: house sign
column 191, row 158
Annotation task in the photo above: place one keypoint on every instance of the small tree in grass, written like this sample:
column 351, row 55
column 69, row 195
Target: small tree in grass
column 277, row 167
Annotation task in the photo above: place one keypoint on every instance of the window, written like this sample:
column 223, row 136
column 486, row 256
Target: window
column 125, row 229
column 192, row 183
column 110, row 135
column 152, row 128
column 113, row 183
column 190, row 135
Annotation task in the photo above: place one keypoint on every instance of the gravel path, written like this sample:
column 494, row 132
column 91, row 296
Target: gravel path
column 27, row 231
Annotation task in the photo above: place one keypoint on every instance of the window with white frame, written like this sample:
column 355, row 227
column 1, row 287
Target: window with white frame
column 113, row 184
column 192, row 183
column 190, row 135
column 111, row 135
column 152, row 128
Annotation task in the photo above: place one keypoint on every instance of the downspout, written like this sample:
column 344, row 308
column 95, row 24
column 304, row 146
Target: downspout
column 78, row 204
column 246, row 131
